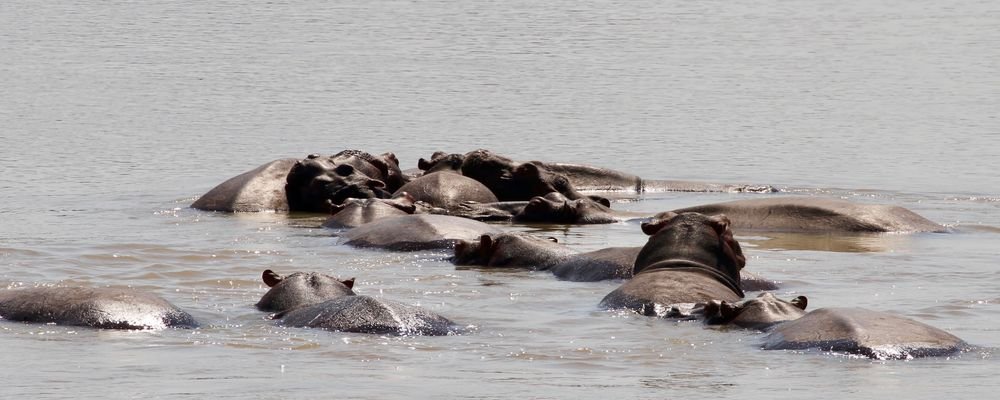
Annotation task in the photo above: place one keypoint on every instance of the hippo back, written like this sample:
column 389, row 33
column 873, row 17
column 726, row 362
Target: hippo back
column 815, row 214
column 874, row 334
column 416, row 232
column 260, row 189
column 447, row 190
column 366, row 314
column 106, row 308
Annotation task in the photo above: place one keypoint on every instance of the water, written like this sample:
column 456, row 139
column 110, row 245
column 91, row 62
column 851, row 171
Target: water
column 115, row 116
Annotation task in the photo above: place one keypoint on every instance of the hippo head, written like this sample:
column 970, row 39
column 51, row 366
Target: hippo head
column 441, row 161
column 315, row 183
column 508, row 250
column 695, row 237
column 301, row 289
column 759, row 313
column 554, row 207
column 493, row 170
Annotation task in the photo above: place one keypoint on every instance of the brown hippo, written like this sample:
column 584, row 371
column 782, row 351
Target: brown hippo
column 356, row 212
column 318, row 184
column 816, row 214
column 513, row 181
column 590, row 178
column 106, row 308
column 689, row 258
column 264, row 188
column 416, row 232
column 521, row 250
column 865, row 332
column 312, row 300
column 556, row 208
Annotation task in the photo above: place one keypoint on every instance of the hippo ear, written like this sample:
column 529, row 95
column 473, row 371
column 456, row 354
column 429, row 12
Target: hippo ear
column 657, row 222
column 728, row 310
column 375, row 183
column 348, row 282
column 601, row 200
column 486, row 244
column 335, row 208
column 271, row 278
column 801, row 302
column 438, row 154
column 391, row 157
column 710, row 310
column 529, row 168
column 719, row 222
column 423, row 164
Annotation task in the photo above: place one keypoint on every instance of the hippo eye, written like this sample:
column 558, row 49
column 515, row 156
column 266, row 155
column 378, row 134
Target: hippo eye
column 344, row 170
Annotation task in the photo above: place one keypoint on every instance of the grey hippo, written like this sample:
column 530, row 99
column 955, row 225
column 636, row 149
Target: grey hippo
column 858, row 331
column 689, row 258
column 873, row 334
column 314, row 300
column 817, row 214
column 106, row 308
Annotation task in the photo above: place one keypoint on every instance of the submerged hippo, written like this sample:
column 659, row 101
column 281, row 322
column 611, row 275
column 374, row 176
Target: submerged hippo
column 106, row 308
column 260, row 189
column 759, row 313
column 416, row 232
column 521, row 250
column 313, row 300
column 689, row 258
column 814, row 214
column 357, row 212
column 581, row 177
column 447, row 190
column 865, row 332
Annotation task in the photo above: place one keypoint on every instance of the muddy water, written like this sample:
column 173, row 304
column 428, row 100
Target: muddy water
column 116, row 116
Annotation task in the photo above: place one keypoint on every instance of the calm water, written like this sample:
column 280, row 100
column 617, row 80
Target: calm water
column 115, row 116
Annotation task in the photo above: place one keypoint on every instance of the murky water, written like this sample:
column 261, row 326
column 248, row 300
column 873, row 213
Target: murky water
column 115, row 116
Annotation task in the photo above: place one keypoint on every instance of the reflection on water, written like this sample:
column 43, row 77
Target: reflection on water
column 839, row 242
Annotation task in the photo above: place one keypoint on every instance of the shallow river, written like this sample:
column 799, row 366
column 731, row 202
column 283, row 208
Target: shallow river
column 116, row 115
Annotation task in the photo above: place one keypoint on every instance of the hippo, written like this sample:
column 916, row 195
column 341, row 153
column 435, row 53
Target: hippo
column 356, row 212
column 760, row 313
column 313, row 300
column 318, row 184
column 447, row 190
column 416, row 232
column 260, row 189
column 816, row 214
column 105, row 308
column 264, row 188
column 521, row 250
column 554, row 207
column 689, row 258
column 581, row 177
column 512, row 181
column 860, row 331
